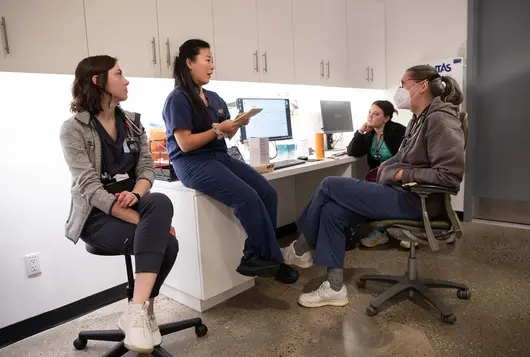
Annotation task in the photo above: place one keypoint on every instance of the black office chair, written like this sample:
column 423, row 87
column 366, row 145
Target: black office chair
column 445, row 229
column 118, row 336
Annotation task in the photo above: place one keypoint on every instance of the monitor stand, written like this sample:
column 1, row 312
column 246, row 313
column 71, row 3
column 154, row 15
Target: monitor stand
column 329, row 142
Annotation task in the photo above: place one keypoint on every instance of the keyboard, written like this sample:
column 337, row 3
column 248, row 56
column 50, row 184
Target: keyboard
column 340, row 153
column 287, row 163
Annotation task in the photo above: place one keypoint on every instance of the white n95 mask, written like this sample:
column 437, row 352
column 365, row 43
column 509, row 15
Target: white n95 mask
column 402, row 98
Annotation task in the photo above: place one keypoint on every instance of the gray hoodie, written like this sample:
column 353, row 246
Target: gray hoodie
column 82, row 151
column 432, row 152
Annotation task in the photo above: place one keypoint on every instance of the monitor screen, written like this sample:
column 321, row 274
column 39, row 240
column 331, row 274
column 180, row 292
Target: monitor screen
column 274, row 122
column 336, row 116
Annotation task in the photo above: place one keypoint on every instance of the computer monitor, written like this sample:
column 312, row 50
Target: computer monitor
column 274, row 122
column 336, row 118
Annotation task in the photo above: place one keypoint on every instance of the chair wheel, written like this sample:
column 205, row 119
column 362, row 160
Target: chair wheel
column 449, row 319
column 201, row 330
column 361, row 284
column 80, row 344
column 371, row 311
column 463, row 294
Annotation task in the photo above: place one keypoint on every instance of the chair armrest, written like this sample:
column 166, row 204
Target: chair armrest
column 422, row 189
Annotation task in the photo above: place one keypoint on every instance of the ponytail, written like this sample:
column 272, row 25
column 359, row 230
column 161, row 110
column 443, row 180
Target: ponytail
column 445, row 87
column 182, row 74
column 452, row 92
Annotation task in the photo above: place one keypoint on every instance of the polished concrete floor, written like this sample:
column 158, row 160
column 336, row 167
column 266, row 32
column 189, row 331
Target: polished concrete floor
column 266, row 320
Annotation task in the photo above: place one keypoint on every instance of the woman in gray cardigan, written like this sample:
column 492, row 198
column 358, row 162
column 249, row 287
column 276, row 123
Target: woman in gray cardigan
column 107, row 152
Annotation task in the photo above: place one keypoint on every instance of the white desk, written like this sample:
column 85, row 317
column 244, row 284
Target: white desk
column 211, row 238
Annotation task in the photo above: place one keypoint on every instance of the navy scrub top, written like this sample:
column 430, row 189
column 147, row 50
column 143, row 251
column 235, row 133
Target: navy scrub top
column 178, row 114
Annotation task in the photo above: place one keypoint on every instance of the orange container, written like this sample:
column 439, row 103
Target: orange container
column 319, row 145
column 158, row 146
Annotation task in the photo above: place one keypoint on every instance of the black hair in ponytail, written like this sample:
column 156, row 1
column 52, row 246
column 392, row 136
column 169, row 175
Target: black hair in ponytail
column 182, row 74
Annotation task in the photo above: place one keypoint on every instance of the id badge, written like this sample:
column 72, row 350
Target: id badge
column 131, row 145
column 121, row 177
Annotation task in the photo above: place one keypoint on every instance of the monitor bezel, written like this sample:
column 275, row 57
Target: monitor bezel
column 288, row 113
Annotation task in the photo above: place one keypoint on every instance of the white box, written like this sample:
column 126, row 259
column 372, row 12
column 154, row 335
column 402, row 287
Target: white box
column 259, row 151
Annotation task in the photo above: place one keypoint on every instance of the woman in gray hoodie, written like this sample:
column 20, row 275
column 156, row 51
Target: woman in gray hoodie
column 432, row 152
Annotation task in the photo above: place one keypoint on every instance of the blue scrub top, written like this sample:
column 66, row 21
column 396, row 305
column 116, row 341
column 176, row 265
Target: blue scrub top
column 178, row 114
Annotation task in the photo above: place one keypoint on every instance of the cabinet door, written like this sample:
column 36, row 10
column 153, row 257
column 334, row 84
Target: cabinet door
column 127, row 30
column 335, row 43
column 41, row 38
column 174, row 31
column 309, row 39
column 275, row 26
column 236, row 40
column 366, row 39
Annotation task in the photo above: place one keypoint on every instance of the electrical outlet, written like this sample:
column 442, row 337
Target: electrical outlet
column 32, row 264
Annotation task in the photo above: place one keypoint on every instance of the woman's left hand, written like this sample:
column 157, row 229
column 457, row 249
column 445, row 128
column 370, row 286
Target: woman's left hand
column 126, row 199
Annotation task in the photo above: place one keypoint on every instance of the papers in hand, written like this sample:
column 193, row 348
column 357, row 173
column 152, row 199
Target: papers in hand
column 248, row 115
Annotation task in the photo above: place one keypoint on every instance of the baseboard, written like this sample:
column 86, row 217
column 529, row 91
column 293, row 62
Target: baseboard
column 286, row 230
column 37, row 324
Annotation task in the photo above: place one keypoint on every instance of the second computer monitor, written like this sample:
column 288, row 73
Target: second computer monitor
column 274, row 122
column 336, row 116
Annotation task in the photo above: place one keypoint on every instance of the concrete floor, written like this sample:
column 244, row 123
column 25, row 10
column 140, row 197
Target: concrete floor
column 266, row 320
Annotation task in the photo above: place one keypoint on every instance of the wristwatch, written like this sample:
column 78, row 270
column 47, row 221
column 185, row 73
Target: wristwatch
column 137, row 195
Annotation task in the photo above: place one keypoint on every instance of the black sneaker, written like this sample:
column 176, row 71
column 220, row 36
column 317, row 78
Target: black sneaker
column 256, row 266
column 287, row 274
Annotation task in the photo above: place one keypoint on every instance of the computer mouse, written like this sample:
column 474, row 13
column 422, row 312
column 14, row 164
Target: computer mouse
column 302, row 158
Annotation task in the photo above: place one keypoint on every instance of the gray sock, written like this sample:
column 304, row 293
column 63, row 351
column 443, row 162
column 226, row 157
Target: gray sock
column 301, row 245
column 335, row 278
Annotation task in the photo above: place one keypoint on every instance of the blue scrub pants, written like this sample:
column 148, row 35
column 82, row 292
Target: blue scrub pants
column 340, row 202
column 239, row 186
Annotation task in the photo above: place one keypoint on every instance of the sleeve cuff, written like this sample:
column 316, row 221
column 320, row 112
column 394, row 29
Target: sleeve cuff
column 407, row 176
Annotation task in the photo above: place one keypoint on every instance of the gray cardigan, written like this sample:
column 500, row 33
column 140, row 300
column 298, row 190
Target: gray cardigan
column 82, row 151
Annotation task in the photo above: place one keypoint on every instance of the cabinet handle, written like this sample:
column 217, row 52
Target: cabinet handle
column 368, row 74
column 256, row 67
column 168, row 54
column 265, row 66
column 322, row 69
column 327, row 67
column 153, row 43
column 372, row 72
column 6, row 40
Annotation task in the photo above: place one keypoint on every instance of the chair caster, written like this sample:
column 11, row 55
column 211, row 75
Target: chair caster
column 371, row 311
column 201, row 330
column 361, row 284
column 449, row 319
column 80, row 344
column 463, row 294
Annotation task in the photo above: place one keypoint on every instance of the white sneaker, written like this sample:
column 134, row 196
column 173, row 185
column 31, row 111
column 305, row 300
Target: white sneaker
column 374, row 239
column 325, row 295
column 291, row 258
column 134, row 323
column 153, row 325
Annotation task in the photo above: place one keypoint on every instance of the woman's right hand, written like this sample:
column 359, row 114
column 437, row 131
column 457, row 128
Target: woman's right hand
column 228, row 127
column 172, row 231
column 366, row 128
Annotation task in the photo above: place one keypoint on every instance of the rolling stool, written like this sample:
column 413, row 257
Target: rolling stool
column 118, row 336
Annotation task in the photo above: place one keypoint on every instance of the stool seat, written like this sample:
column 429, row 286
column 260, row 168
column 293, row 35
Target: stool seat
column 92, row 249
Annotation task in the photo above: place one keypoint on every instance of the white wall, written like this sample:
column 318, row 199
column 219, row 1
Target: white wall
column 34, row 181
column 421, row 30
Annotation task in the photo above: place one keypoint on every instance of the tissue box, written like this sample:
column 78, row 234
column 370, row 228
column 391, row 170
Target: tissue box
column 259, row 151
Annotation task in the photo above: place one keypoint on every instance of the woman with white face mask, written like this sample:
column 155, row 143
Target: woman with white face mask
column 432, row 152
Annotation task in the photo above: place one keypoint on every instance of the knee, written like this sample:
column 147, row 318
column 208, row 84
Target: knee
column 159, row 202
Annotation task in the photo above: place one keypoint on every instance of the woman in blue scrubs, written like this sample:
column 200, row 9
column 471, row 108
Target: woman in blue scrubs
column 197, row 123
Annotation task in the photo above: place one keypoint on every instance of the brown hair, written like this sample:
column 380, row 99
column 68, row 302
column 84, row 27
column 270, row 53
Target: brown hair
column 387, row 108
column 445, row 87
column 87, row 96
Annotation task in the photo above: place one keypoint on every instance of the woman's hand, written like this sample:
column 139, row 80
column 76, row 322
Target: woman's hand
column 126, row 199
column 366, row 128
column 398, row 176
column 229, row 127
column 172, row 232
column 243, row 122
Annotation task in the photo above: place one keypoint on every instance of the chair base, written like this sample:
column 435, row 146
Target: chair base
column 118, row 336
column 412, row 284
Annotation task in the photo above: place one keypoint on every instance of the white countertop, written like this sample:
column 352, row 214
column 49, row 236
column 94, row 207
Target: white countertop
column 277, row 174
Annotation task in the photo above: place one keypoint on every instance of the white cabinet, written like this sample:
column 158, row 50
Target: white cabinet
column 174, row 30
column 127, row 30
column 320, row 40
column 42, row 36
column 275, row 30
column 366, row 44
column 236, row 40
